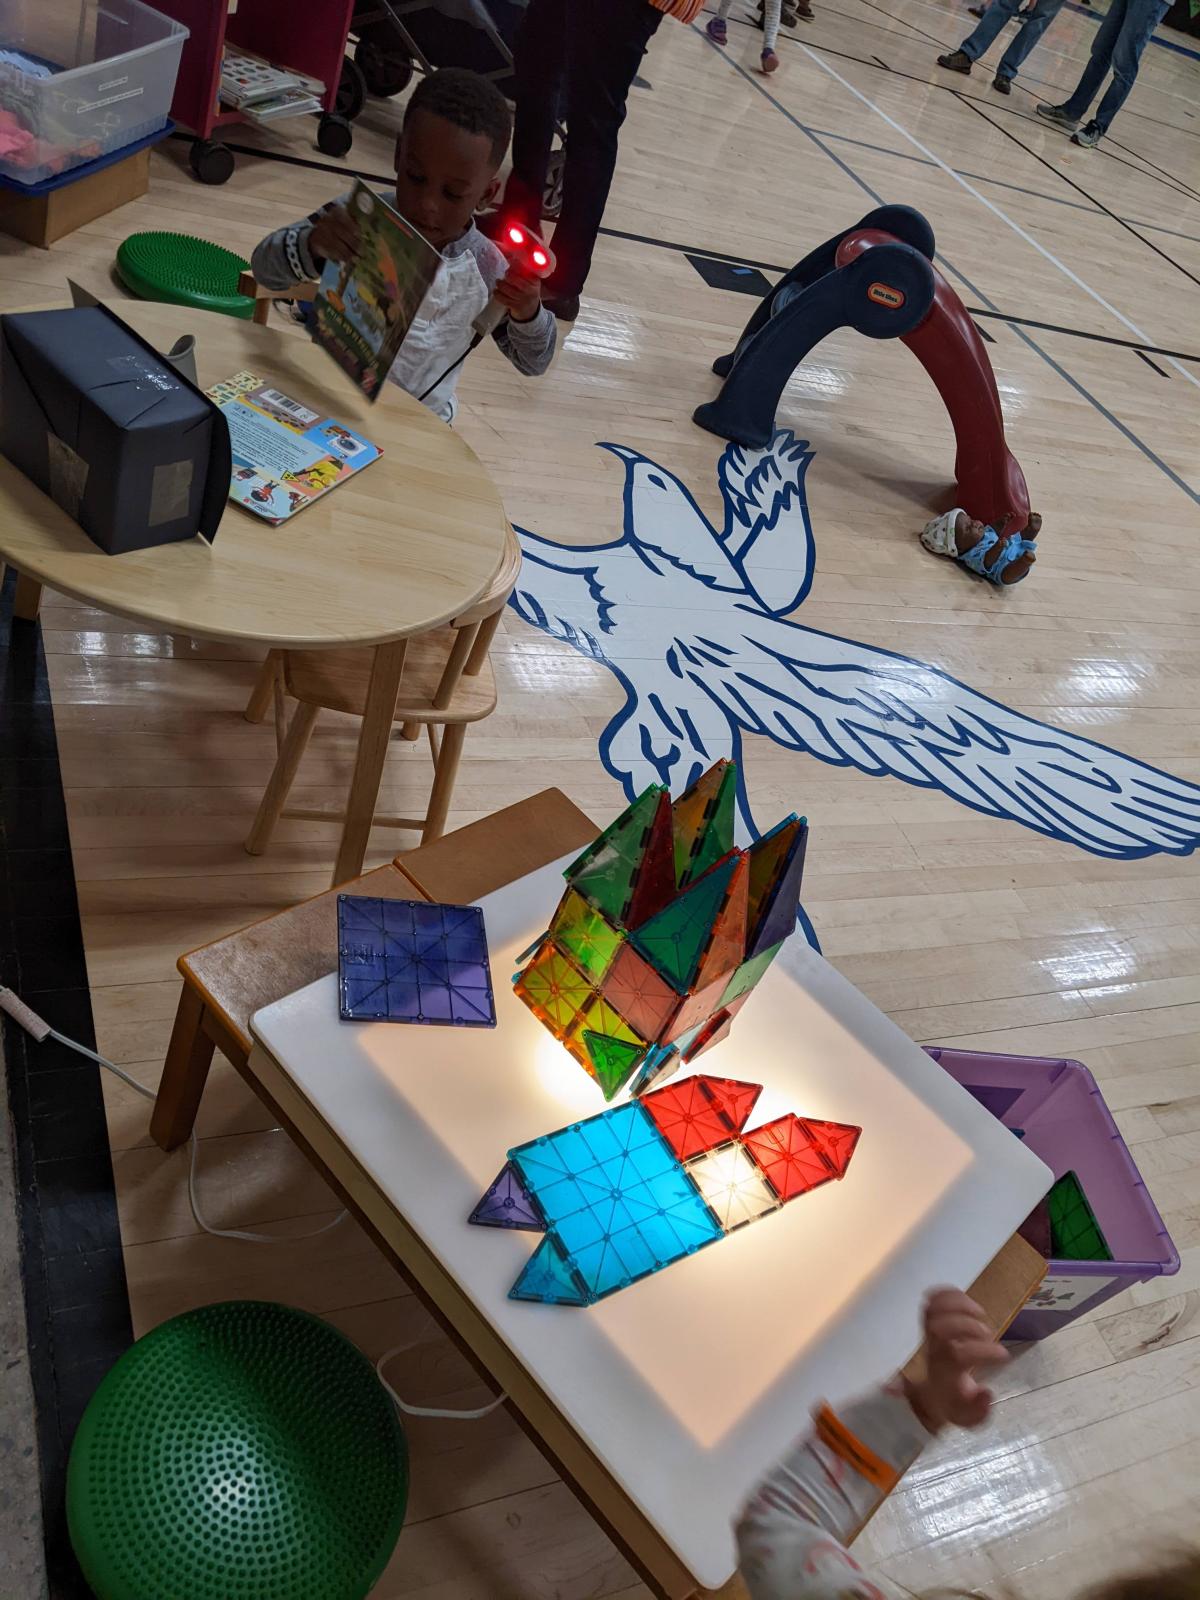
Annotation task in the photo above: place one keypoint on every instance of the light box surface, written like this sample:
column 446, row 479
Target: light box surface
column 690, row 1384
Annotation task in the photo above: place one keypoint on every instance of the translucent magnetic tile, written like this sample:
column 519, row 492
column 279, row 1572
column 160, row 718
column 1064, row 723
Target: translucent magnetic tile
column 655, row 886
column 695, row 1012
column 747, row 975
column 787, row 1156
column 587, row 937
column 632, row 987
column 409, row 961
column 597, row 1016
column 678, row 936
column 730, row 1181
column 699, row 1113
column 553, row 988
column 692, row 811
column 613, row 1061
column 607, row 874
column 1074, row 1231
column 507, row 1204
column 615, row 1198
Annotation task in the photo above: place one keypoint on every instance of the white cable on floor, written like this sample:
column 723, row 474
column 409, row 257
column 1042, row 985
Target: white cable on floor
column 431, row 1411
column 40, row 1030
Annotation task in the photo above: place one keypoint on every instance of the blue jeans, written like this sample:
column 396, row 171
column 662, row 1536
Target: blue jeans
column 1119, row 42
column 1030, row 31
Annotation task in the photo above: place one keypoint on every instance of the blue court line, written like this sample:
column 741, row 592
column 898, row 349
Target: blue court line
column 954, row 271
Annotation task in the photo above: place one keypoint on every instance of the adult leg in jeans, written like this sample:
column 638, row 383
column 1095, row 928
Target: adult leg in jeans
column 605, row 46
column 1096, row 70
column 540, row 73
column 1141, row 19
column 991, row 24
column 1030, row 31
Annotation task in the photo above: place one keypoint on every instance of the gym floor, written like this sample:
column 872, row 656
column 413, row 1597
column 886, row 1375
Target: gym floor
column 130, row 777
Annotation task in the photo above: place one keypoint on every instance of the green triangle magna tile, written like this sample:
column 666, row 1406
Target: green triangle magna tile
column 614, row 828
column 608, row 876
column 716, row 839
column 678, row 936
column 613, row 1059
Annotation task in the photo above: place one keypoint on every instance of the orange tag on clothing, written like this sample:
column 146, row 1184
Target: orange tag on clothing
column 833, row 1432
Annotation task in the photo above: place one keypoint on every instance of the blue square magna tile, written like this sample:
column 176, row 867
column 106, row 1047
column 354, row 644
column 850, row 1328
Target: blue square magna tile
column 409, row 961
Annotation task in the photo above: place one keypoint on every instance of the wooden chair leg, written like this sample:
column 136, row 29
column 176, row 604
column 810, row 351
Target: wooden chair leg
column 263, row 693
column 444, row 775
column 184, row 1074
column 410, row 731
column 275, row 797
column 27, row 598
column 373, row 739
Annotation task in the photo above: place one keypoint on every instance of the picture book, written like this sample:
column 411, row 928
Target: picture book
column 285, row 455
column 365, row 307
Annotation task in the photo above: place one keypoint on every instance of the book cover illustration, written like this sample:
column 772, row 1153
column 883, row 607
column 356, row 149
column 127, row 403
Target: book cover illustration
column 365, row 307
column 285, row 455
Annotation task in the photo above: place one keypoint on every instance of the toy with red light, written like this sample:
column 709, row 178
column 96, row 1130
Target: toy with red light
column 528, row 256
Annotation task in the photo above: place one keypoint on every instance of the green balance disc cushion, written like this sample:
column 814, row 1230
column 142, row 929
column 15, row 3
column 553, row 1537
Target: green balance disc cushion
column 184, row 272
column 245, row 1451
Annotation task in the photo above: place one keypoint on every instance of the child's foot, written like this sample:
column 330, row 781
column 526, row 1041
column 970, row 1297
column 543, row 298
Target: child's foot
column 717, row 31
column 805, row 11
column 1090, row 134
column 770, row 61
column 1002, row 85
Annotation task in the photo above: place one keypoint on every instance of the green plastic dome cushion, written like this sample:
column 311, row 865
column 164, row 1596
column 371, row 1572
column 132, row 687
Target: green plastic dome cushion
column 244, row 1451
column 184, row 271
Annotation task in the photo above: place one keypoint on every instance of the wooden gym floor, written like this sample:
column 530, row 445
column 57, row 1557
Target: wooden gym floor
column 1083, row 269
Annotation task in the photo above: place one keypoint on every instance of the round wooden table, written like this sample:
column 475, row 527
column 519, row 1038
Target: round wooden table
column 396, row 550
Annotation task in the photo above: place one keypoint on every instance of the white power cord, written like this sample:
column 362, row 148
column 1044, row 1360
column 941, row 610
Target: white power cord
column 431, row 1411
column 40, row 1030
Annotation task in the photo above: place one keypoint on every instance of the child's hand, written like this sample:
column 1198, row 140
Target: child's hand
column 520, row 295
column 334, row 236
column 958, row 1343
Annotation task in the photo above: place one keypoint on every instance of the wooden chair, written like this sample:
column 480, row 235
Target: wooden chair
column 446, row 683
column 249, row 285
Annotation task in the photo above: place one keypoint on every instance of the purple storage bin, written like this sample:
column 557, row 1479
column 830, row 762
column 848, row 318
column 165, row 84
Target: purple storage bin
column 1060, row 1112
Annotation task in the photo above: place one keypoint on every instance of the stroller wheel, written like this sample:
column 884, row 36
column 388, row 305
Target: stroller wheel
column 552, row 194
column 334, row 135
column 384, row 72
column 352, row 90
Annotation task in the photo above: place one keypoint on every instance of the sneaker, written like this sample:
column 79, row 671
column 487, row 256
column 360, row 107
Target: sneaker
column 1002, row 85
column 805, row 11
column 717, row 31
column 770, row 61
column 976, row 11
column 956, row 61
column 1058, row 115
column 1089, row 135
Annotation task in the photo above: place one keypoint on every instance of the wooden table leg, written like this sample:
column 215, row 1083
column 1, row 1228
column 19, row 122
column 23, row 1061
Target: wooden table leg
column 373, row 739
column 27, row 599
column 184, row 1074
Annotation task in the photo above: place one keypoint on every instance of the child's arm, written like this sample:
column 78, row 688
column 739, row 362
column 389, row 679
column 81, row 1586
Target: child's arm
column 297, row 252
column 792, row 1535
column 528, row 344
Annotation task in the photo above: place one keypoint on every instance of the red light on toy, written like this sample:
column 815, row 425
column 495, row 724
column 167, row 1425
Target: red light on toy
column 516, row 235
column 539, row 258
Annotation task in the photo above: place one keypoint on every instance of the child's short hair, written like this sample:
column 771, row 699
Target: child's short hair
column 469, row 101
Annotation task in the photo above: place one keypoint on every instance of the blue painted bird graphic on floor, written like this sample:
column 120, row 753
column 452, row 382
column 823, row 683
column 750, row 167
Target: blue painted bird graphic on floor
column 693, row 621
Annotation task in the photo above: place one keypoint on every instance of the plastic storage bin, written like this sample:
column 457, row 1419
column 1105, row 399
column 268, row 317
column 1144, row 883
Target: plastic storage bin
column 1059, row 1111
column 95, row 75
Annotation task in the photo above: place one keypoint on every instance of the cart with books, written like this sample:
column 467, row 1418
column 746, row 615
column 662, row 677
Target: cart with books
column 260, row 63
